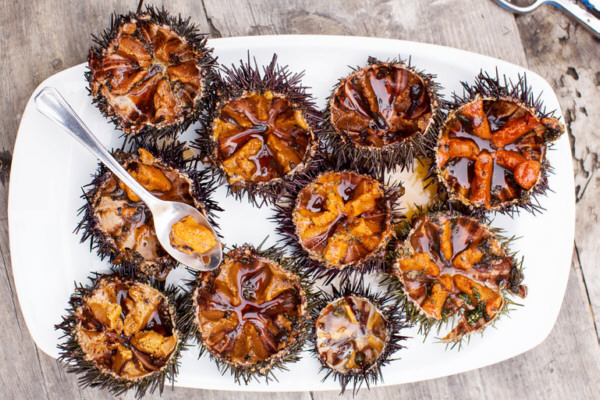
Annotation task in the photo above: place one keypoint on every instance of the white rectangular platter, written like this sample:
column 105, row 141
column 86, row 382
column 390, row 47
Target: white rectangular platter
column 49, row 169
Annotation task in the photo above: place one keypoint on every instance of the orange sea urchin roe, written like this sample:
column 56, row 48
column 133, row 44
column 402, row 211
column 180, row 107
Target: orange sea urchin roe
column 126, row 328
column 125, row 218
column 380, row 105
column 450, row 264
column 351, row 334
column 149, row 75
column 342, row 217
column 248, row 311
column 260, row 136
column 491, row 151
column 189, row 236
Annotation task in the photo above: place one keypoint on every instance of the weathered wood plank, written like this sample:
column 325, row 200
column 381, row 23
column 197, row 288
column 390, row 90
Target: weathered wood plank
column 442, row 22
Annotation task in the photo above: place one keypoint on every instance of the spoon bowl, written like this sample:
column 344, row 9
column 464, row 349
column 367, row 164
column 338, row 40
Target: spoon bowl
column 165, row 214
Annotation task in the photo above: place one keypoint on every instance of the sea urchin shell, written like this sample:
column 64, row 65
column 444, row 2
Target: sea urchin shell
column 491, row 150
column 339, row 222
column 262, row 131
column 121, row 334
column 356, row 333
column 148, row 72
column 382, row 116
column 120, row 225
column 251, row 313
column 452, row 264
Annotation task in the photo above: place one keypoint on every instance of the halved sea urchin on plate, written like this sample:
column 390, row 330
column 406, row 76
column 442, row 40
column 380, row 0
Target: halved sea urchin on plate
column 356, row 332
column 451, row 265
column 338, row 222
column 120, row 226
column 121, row 334
column 491, row 152
column 149, row 72
column 382, row 116
column 251, row 314
column 262, row 131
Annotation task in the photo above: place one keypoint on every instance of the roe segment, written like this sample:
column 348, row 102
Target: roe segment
column 191, row 237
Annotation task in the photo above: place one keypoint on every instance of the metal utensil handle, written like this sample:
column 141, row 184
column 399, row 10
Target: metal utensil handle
column 50, row 103
column 581, row 13
column 520, row 9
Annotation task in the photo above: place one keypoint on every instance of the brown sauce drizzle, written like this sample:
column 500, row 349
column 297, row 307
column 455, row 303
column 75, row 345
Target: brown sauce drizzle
column 117, row 343
column 149, row 75
column 511, row 138
column 247, row 311
column 260, row 137
column 451, row 264
column 342, row 217
column 351, row 334
column 380, row 105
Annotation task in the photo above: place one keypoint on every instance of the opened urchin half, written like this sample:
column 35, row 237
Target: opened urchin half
column 452, row 265
column 356, row 331
column 382, row 116
column 338, row 223
column 120, row 226
column 491, row 151
column 262, row 131
column 122, row 334
column 149, row 73
column 251, row 314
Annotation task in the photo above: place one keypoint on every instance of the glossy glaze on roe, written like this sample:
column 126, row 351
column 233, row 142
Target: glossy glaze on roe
column 261, row 137
column 491, row 152
column 250, row 310
column 126, row 220
column 126, row 328
column 351, row 334
column 451, row 263
column 148, row 75
column 342, row 218
column 380, row 105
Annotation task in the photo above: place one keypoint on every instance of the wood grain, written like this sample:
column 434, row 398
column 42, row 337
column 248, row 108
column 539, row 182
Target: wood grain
column 38, row 39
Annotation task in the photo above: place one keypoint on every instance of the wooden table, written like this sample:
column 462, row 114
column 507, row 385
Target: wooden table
column 41, row 38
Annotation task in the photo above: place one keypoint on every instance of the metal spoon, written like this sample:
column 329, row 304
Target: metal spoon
column 582, row 14
column 50, row 103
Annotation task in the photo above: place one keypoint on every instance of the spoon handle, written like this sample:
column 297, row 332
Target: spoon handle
column 50, row 103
